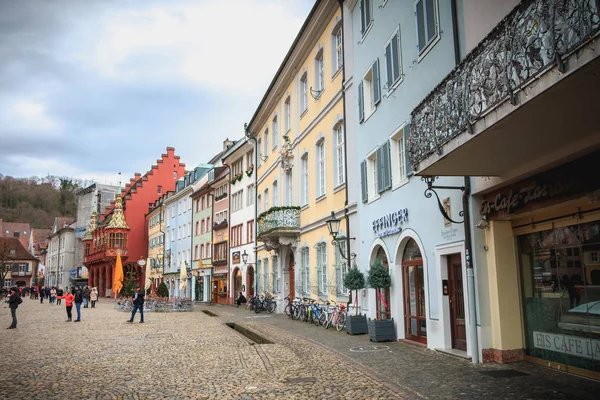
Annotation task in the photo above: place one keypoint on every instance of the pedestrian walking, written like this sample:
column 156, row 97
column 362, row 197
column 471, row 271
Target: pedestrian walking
column 94, row 297
column 78, row 301
column 138, row 304
column 59, row 293
column 14, row 299
column 69, row 298
column 86, row 297
column 42, row 294
column 52, row 295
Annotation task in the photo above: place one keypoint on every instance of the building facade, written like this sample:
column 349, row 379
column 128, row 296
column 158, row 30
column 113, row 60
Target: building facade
column 156, row 238
column 523, row 123
column 220, row 235
column 202, row 220
column 61, row 268
column 19, row 267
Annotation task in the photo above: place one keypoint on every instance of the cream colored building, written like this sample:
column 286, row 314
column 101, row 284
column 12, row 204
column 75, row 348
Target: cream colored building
column 155, row 221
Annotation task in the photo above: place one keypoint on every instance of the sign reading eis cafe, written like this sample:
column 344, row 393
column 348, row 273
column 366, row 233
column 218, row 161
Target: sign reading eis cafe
column 390, row 223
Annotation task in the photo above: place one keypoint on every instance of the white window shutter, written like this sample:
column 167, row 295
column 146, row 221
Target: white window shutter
column 361, row 109
column 376, row 84
column 363, row 181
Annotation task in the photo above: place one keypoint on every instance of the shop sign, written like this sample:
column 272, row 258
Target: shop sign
column 235, row 257
column 390, row 224
column 571, row 345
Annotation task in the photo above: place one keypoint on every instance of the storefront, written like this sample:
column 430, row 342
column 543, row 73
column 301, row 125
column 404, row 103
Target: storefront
column 555, row 220
column 219, row 285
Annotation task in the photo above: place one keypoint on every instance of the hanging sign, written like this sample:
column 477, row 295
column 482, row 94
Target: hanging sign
column 390, row 224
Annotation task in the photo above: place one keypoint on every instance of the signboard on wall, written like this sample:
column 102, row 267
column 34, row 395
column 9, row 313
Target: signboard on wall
column 390, row 224
column 571, row 345
column 235, row 257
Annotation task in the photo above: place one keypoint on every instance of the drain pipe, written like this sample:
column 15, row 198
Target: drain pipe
column 473, row 339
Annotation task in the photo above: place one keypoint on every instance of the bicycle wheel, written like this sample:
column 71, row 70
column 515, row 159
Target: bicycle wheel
column 271, row 307
column 341, row 322
column 287, row 311
column 316, row 317
column 257, row 308
column 322, row 319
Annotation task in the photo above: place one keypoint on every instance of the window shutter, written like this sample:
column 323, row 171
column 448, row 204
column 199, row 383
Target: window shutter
column 363, row 181
column 396, row 55
column 380, row 170
column 387, row 170
column 388, row 66
column 376, row 84
column 362, row 16
column 431, row 22
column 319, row 275
column 361, row 110
column 420, row 14
column 405, row 135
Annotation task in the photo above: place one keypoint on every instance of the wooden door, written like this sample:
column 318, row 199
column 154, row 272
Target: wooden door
column 292, row 277
column 457, row 303
column 215, row 291
column 414, row 301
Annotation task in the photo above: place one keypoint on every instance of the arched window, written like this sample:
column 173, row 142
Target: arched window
column 414, row 293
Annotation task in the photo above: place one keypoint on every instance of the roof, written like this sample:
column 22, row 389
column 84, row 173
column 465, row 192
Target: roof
column 20, row 252
column 22, row 229
column 62, row 222
column 40, row 237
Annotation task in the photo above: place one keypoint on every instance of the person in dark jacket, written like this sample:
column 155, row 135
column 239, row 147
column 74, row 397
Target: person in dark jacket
column 240, row 300
column 59, row 292
column 13, row 302
column 138, row 304
column 86, row 297
column 78, row 301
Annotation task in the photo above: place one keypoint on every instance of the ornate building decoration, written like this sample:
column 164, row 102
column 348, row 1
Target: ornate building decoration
column 118, row 218
column 93, row 226
column 286, row 154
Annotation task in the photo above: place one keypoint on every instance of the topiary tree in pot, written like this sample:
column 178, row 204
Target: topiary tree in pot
column 162, row 290
column 354, row 281
column 379, row 278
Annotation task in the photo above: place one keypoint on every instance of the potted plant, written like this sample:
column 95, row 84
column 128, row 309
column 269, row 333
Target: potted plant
column 354, row 281
column 249, row 170
column 379, row 278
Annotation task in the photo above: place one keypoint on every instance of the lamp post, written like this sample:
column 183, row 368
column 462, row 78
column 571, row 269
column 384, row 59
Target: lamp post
column 333, row 225
column 245, row 257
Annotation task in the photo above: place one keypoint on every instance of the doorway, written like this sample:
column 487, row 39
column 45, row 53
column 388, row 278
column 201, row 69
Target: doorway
column 237, row 283
column 250, row 281
column 415, row 321
column 291, row 275
column 457, row 302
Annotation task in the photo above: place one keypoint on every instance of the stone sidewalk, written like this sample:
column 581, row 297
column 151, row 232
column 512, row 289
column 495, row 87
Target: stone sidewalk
column 171, row 356
column 421, row 373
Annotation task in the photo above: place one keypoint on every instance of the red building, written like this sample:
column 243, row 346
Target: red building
column 121, row 229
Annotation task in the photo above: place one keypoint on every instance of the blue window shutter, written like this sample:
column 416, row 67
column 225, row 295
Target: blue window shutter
column 376, row 84
column 380, row 170
column 405, row 135
column 362, row 16
column 363, row 181
column 396, row 55
column 420, row 14
column 388, row 66
column 361, row 109
column 387, row 170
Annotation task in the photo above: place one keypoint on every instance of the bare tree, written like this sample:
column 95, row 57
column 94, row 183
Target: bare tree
column 5, row 267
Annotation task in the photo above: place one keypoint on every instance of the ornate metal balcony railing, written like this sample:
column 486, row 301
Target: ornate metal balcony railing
column 536, row 36
column 278, row 218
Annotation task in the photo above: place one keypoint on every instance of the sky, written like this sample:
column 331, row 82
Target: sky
column 92, row 88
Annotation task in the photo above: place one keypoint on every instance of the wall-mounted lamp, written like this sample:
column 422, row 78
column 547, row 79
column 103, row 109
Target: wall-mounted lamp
column 315, row 94
column 483, row 223
column 333, row 225
column 245, row 257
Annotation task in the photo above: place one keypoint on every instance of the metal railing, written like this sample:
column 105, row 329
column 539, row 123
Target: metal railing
column 534, row 37
column 277, row 218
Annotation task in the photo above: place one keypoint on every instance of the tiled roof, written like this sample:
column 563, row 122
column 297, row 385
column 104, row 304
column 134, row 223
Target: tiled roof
column 20, row 252
column 8, row 229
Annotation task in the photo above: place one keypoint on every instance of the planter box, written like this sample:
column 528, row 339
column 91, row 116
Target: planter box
column 356, row 325
column 382, row 331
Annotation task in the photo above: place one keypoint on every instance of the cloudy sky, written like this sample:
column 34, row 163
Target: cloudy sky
column 96, row 87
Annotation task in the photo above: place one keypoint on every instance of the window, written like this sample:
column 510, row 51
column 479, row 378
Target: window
column 236, row 235
column 196, row 248
column 208, row 250
column 159, row 189
column 237, row 200
column 250, row 158
column 366, row 15
column 202, row 251
column 393, row 61
column 220, row 217
column 427, row 23
column 250, row 231
column 304, row 93
column 266, row 199
column 250, row 195
column 275, row 131
column 237, row 168
column 202, row 204
column 369, row 92
column 341, row 268
column 373, row 174
column 221, row 192
column 258, row 271
column 338, row 48
column 320, row 168
column 266, row 274
column 399, row 162
column 220, row 252
column 259, row 149
column 202, row 227
column 593, row 257
column 339, row 157
column 319, row 72
column 304, row 180
column 287, row 114
column 288, row 188
column 275, row 274
column 258, row 204
column 197, row 228
column 267, row 150
column 322, row 268
column 305, row 271
column 208, row 227
column 275, row 195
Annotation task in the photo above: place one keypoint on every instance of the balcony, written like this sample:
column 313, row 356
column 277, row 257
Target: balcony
column 220, row 225
column 103, row 253
column 278, row 221
column 524, row 98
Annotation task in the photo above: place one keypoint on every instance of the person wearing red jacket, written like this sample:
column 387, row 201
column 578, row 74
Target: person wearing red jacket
column 69, row 298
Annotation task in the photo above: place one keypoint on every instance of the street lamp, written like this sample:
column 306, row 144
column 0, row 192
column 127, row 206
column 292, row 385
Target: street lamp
column 333, row 225
column 245, row 257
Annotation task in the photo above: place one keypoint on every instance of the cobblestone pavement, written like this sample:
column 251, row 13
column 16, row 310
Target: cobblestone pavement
column 421, row 373
column 170, row 356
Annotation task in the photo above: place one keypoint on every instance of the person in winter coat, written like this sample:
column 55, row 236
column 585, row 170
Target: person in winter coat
column 86, row 297
column 78, row 301
column 13, row 302
column 52, row 295
column 94, row 297
column 138, row 304
column 69, row 298
column 59, row 292
column 42, row 294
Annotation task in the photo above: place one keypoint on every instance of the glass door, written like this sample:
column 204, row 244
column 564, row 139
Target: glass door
column 414, row 294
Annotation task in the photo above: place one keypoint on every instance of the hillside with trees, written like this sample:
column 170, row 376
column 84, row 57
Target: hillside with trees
column 38, row 200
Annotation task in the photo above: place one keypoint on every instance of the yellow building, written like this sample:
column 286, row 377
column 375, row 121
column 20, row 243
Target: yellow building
column 299, row 132
column 155, row 223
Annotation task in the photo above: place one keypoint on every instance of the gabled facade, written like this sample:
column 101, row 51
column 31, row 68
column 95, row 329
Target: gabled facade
column 220, row 236
column 19, row 230
column 240, row 159
column 300, row 138
column 200, row 237
column 20, row 266
column 60, row 261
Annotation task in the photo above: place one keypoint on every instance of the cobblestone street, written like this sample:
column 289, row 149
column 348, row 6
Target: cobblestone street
column 196, row 356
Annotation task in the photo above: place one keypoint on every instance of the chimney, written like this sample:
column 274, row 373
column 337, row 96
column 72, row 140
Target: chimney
column 227, row 144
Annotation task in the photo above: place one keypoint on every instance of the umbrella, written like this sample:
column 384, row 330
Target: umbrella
column 118, row 277
column 148, row 282
column 182, row 276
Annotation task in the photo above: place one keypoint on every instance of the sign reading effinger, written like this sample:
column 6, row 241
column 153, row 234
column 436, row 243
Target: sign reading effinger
column 571, row 345
column 390, row 224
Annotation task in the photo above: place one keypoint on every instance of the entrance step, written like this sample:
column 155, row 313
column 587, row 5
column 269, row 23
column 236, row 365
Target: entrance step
column 455, row 353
